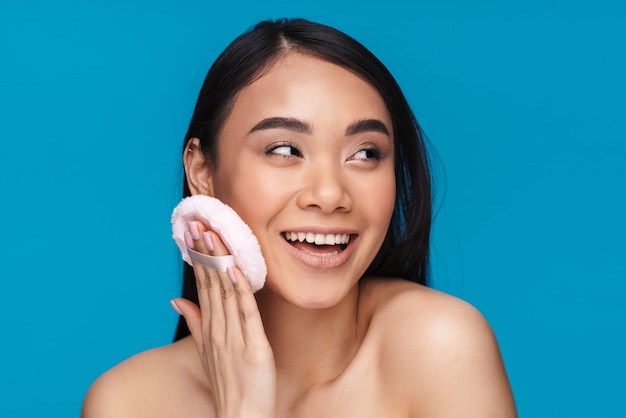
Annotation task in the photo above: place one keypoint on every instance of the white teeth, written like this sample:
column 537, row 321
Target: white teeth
column 318, row 239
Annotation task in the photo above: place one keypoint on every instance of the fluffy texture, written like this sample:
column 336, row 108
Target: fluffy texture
column 237, row 236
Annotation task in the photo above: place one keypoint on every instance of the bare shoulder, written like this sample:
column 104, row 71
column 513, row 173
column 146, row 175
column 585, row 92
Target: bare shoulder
column 440, row 318
column 417, row 319
column 154, row 383
column 439, row 349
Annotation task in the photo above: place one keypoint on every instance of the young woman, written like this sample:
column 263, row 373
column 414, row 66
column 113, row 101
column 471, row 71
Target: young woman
column 306, row 135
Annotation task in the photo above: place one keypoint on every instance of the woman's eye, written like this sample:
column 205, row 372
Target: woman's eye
column 284, row 150
column 368, row 154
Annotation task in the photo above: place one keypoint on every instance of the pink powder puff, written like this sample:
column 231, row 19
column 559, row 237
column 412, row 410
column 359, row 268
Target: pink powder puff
column 237, row 236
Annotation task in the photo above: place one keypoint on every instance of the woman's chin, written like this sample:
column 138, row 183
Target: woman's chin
column 310, row 296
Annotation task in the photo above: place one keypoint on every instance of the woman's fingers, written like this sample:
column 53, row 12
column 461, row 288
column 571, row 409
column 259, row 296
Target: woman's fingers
column 226, row 298
column 227, row 303
column 193, row 239
column 248, row 312
column 216, row 294
column 193, row 317
column 229, row 312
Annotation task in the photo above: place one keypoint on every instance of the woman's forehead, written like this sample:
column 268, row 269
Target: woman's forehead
column 309, row 88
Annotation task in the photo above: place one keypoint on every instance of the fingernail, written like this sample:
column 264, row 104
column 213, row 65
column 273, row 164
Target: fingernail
column 189, row 240
column 208, row 240
column 193, row 230
column 175, row 306
column 230, row 272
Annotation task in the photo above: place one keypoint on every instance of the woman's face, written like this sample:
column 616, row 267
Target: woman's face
column 306, row 159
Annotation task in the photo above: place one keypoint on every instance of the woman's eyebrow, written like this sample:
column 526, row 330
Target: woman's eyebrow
column 296, row 125
column 367, row 125
column 291, row 124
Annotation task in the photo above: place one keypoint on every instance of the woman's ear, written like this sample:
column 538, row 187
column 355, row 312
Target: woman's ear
column 197, row 169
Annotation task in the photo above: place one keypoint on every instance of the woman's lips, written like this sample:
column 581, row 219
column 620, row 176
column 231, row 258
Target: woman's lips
column 311, row 252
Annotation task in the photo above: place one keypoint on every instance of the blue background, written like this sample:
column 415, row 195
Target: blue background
column 523, row 101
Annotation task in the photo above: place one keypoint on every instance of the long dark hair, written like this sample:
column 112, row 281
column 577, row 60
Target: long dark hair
column 404, row 252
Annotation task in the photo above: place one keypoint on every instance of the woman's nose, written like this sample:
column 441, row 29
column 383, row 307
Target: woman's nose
column 325, row 188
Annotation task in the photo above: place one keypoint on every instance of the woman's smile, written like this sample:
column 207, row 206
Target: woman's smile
column 320, row 250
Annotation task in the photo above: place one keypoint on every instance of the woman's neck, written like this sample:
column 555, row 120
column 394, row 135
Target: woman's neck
column 311, row 345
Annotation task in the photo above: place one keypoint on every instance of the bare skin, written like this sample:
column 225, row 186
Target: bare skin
column 318, row 340
column 438, row 359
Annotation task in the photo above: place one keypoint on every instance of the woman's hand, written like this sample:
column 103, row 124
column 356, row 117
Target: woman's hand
column 229, row 335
